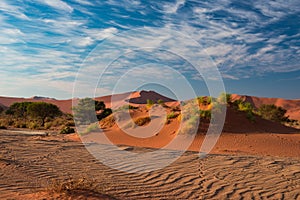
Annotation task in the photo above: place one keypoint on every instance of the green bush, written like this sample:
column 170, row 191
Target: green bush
column 150, row 103
column 126, row 107
column 190, row 125
column 142, row 121
column 70, row 123
column 225, row 98
column 33, row 125
column 172, row 115
column 204, row 100
column 106, row 112
column 67, row 130
column 272, row 112
column 160, row 102
column 91, row 128
column 1, row 109
column 250, row 116
column 176, row 109
column 48, row 125
column 245, row 106
column 205, row 114
column 42, row 111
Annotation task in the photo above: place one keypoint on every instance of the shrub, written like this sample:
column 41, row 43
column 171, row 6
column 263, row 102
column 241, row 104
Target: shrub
column 48, row 125
column 172, row 115
column 91, row 128
column 190, row 125
column 176, row 109
column 225, row 98
column 250, row 116
column 205, row 114
column 142, row 121
column 272, row 112
column 70, row 186
column 245, row 106
column 106, row 112
column 67, row 130
column 150, row 103
column 70, row 123
column 126, row 107
column 2, row 127
column 160, row 102
column 204, row 100
column 33, row 125
column 85, row 111
column 41, row 111
column 107, row 122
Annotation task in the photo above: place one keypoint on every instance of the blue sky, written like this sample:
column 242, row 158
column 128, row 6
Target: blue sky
column 254, row 44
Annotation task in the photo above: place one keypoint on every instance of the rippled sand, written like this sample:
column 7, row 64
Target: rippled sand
column 29, row 163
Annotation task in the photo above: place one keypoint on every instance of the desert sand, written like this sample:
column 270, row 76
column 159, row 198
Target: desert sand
column 241, row 166
column 258, row 160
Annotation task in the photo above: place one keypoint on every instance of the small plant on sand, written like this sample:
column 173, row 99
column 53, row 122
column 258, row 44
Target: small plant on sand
column 142, row 121
column 176, row 109
column 204, row 100
column 162, row 103
column 205, row 114
column 225, row 98
column 172, row 115
column 71, row 186
column 126, row 107
column 108, row 122
column 189, row 117
column 67, row 130
column 79, row 188
column 150, row 103
column 273, row 113
column 91, row 128
column 245, row 107
column 85, row 111
column 33, row 125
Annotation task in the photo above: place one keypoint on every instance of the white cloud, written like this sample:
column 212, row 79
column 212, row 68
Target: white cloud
column 13, row 10
column 172, row 8
column 84, row 2
column 100, row 34
column 58, row 4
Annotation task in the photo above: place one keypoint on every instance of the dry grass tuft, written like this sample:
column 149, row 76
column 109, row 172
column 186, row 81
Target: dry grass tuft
column 81, row 188
column 142, row 121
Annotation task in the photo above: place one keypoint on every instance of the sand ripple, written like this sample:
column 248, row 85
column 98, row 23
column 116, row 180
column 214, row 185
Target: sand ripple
column 29, row 163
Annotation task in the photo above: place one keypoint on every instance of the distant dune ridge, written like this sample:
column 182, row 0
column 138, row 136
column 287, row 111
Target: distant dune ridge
column 292, row 106
column 236, row 122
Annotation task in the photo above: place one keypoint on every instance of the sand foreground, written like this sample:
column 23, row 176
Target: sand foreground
column 29, row 163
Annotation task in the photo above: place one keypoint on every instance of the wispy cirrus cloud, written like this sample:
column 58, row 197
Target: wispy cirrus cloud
column 50, row 38
column 58, row 4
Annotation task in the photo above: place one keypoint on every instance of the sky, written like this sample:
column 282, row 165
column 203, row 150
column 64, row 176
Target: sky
column 72, row 48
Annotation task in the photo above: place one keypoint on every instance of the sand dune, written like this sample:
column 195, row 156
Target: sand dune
column 251, row 160
column 29, row 163
column 140, row 97
column 64, row 105
column 292, row 106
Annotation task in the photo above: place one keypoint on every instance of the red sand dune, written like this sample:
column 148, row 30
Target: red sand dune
column 292, row 106
column 118, row 99
column 64, row 105
column 236, row 122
